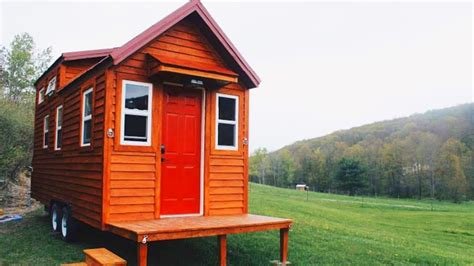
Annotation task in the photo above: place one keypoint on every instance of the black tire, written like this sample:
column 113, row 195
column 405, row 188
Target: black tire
column 68, row 225
column 55, row 217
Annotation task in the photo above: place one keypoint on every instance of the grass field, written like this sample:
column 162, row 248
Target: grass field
column 328, row 229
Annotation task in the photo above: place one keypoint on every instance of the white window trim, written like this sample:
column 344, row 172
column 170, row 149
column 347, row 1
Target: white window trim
column 147, row 113
column 84, row 119
column 45, row 130
column 58, row 127
column 236, row 123
column 51, row 86
column 41, row 98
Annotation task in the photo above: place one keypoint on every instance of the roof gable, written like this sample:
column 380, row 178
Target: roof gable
column 194, row 7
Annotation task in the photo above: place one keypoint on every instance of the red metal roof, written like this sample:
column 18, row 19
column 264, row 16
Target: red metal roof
column 193, row 65
column 87, row 54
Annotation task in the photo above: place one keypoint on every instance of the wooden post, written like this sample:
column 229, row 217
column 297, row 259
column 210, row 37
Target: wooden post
column 142, row 252
column 284, row 245
column 222, row 242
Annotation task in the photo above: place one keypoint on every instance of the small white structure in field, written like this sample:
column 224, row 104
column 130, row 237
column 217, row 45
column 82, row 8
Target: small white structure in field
column 302, row 187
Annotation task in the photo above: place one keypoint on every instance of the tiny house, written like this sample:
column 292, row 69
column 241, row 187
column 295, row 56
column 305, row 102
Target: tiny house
column 153, row 131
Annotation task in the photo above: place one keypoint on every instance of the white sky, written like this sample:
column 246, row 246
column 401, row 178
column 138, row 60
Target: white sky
column 324, row 66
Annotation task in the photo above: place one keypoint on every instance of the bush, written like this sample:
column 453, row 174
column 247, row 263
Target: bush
column 16, row 138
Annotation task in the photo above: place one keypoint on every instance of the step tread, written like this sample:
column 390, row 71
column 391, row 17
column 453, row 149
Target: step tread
column 103, row 256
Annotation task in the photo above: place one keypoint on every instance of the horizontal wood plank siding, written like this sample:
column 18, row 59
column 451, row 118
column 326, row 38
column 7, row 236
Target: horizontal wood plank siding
column 72, row 175
column 227, row 181
column 132, row 186
column 135, row 171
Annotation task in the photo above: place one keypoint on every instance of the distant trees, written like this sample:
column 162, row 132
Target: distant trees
column 350, row 175
column 424, row 156
column 453, row 180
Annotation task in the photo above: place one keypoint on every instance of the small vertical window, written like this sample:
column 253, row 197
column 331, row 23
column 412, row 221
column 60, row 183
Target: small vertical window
column 86, row 131
column 136, row 113
column 59, row 128
column 45, row 131
column 41, row 96
column 51, row 86
column 227, row 122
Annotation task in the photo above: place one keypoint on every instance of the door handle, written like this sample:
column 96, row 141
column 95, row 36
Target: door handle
column 163, row 150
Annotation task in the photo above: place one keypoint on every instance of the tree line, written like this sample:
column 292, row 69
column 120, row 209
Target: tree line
column 20, row 65
column 426, row 155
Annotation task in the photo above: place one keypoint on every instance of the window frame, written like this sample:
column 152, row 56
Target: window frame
column 41, row 95
column 228, row 122
column 124, row 111
column 84, row 119
column 58, row 127
column 49, row 90
column 45, row 130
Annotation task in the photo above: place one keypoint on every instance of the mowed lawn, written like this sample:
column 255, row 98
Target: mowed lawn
column 328, row 229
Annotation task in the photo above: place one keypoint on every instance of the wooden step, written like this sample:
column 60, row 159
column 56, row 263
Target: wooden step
column 75, row 264
column 103, row 257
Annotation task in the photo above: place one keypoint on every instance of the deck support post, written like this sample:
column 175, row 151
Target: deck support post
column 142, row 254
column 284, row 245
column 222, row 242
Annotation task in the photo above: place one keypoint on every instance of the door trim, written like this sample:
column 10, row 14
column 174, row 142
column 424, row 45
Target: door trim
column 201, row 170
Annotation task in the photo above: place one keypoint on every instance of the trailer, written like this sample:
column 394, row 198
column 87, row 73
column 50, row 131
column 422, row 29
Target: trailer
column 149, row 140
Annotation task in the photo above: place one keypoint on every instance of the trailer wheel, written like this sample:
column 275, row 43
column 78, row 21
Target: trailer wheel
column 55, row 215
column 68, row 225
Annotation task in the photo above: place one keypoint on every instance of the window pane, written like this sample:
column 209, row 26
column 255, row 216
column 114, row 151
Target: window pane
column 87, row 130
column 227, row 108
column 60, row 117
column 88, row 104
column 226, row 135
column 136, row 97
column 45, row 141
column 59, row 139
column 135, row 128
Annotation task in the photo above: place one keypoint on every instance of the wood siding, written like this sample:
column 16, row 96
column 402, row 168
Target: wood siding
column 74, row 69
column 226, row 179
column 110, row 182
column 73, row 174
column 135, row 171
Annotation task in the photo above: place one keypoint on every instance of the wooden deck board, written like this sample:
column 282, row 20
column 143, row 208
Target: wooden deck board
column 201, row 226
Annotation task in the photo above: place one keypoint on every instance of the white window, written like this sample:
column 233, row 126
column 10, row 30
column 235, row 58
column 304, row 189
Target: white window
column 58, row 141
column 51, row 86
column 227, row 122
column 86, row 128
column 45, row 131
column 41, row 96
column 136, row 113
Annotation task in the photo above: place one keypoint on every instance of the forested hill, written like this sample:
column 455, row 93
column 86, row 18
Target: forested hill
column 423, row 155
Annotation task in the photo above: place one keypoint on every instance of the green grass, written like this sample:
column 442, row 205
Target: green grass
column 328, row 229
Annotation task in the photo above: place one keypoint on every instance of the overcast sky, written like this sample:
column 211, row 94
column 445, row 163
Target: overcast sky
column 324, row 66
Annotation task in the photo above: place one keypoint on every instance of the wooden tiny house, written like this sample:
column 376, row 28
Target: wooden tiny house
column 154, row 129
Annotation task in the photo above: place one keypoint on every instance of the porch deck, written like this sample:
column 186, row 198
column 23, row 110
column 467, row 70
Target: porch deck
column 199, row 226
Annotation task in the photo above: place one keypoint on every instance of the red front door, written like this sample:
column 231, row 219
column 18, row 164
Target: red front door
column 181, row 140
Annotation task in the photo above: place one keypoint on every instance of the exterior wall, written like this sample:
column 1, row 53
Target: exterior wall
column 227, row 171
column 73, row 174
column 135, row 171
column 71, row 70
